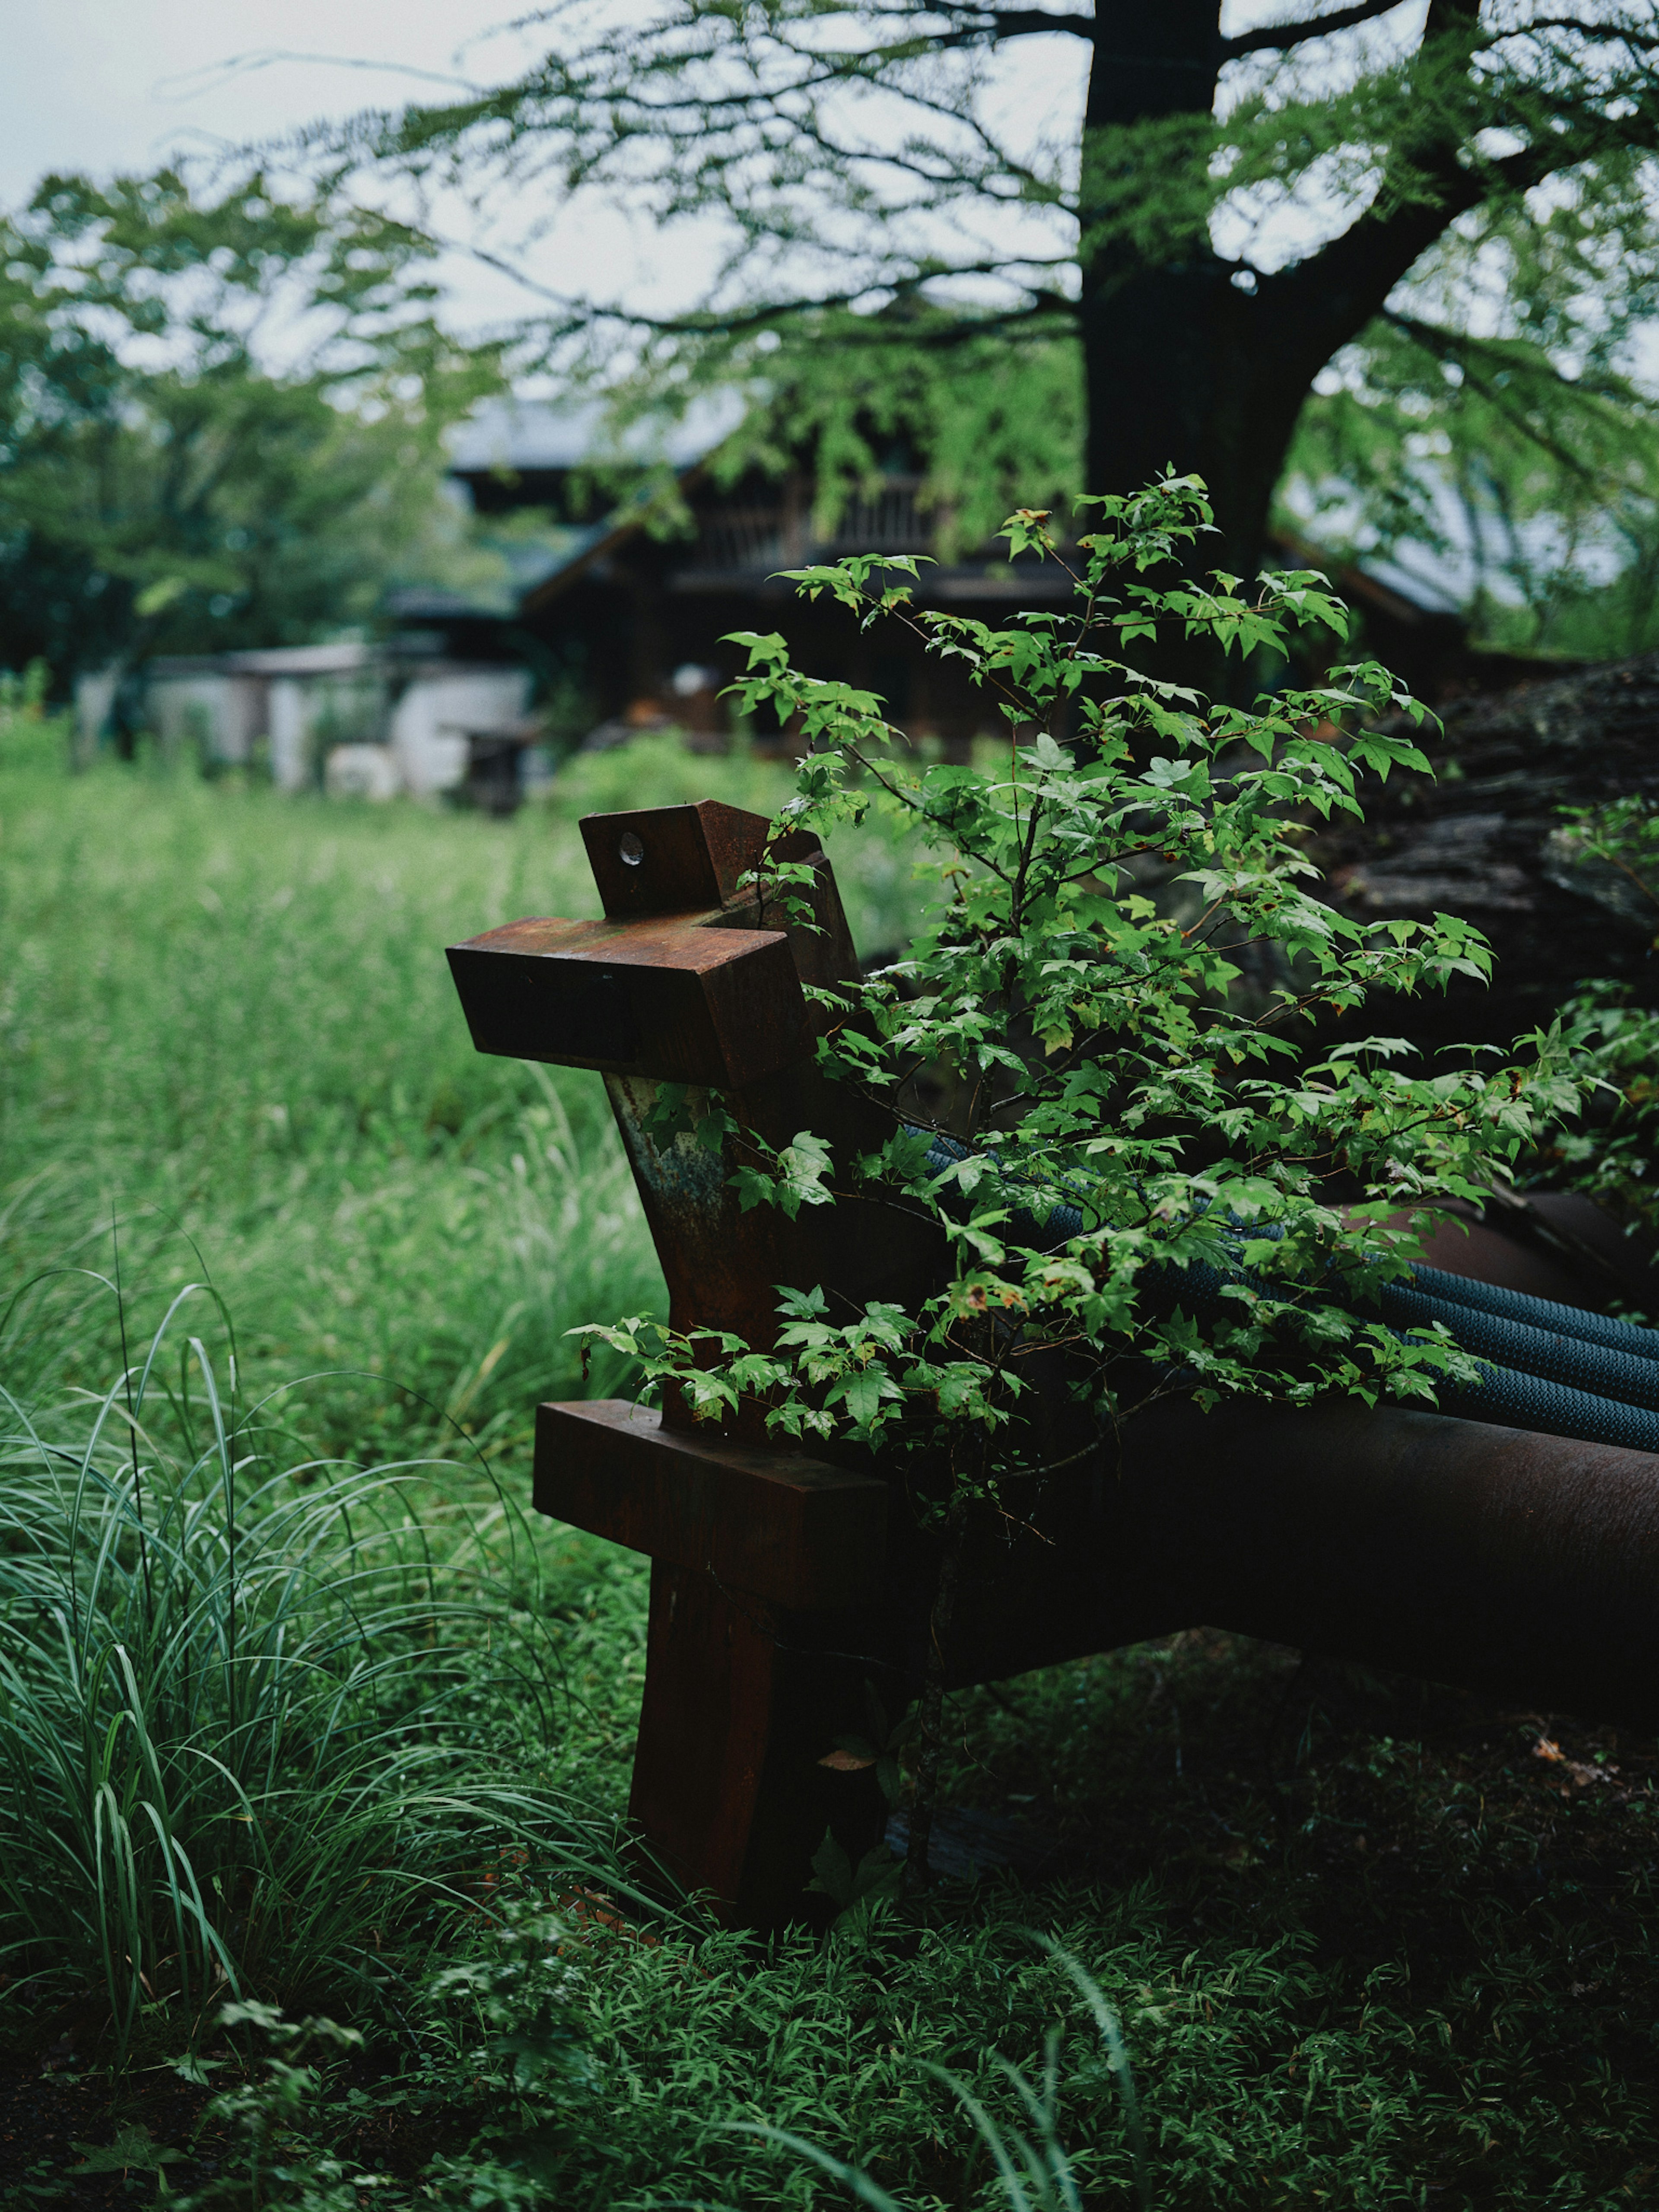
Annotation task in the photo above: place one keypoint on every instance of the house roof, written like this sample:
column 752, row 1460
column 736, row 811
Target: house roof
column 1389, row 588
column 526, row 563
column 378, row 656
column 520, row 437
column 513, row 436
column 338, row 659
column 516, row 436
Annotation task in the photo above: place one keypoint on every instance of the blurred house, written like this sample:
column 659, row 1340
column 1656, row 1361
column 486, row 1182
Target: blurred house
column 637, row 619
column 368, row 721
column 1411, row 619
column 616, row 623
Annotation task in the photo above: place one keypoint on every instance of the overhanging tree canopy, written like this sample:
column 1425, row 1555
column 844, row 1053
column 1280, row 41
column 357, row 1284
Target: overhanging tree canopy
column 1215, row 214
column 221, row 416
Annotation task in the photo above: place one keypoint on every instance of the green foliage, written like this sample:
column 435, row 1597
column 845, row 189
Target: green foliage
column 1324, row 1985
column 504, row 2063
column 1033, row 2175
column 948, row 221
column 1359, row 1941
column 1150, row 1171
column 773, row 117
column 265, row 2111
column 1625, row 833
column 30, row 737
column 220, row 417
column 228, row 1025
column 258, row 1720
column 986, row 417
column 1526, row 449
column 1611, row 1154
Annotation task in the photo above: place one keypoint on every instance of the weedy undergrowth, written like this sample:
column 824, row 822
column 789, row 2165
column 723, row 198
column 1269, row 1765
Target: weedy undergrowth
column 1034, row 2169
column 1611, row 1154
column 261, row 1724
column 226, row 1015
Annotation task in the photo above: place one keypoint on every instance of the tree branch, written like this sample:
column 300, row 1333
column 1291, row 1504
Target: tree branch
column 1450, row 346
column 1338, row 290
column 1042, row 303
column 995, row 24
column 1335, row 292
column 1622, row 34
column 1273, row 38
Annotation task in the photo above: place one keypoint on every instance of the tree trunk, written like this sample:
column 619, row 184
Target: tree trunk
column 1166, row 349
column 1186, row 367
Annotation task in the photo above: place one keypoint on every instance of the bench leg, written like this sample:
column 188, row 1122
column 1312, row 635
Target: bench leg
column 742, row 1702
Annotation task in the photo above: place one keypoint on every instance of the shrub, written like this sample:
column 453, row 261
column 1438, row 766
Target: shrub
column 1134, row 1148
column 261, row 1726
column 1148, row 1178
column 1610, row 1156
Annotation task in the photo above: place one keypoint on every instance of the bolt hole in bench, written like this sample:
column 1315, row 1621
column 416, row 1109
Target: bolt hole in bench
column 1513, row 1549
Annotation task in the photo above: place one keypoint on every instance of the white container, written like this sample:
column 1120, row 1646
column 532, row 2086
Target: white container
column 361, row 772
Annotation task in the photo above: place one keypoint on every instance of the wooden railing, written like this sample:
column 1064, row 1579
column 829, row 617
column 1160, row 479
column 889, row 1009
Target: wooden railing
column 742, row 537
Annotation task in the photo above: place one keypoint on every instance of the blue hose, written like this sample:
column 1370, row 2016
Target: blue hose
column 1538, row 1313
column 1557, row 1369
column 1516, row 1400
column 1554, row 1355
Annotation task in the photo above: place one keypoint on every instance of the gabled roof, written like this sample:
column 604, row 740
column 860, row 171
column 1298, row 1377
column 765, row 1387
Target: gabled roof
column 529, row 437
column 512, row 437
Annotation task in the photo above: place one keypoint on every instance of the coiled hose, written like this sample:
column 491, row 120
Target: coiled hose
column 1555, row 1369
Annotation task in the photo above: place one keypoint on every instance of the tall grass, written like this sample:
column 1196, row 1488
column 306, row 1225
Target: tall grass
column 225, row 1018
column 1034, row 2170
column 251, row 1665
column 261, row 1726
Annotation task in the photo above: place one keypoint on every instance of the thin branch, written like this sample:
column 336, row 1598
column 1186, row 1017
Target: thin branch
column 1275, row 38
column 993, row 24
column 1449, row 346
column 1612, row 33
column 945, row 112
column 865, row 329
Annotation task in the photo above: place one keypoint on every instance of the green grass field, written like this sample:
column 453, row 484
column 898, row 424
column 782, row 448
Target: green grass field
column 1371, row 1945
column 227, row 1029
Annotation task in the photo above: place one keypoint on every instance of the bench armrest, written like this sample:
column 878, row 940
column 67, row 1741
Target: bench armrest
column 795, row 1531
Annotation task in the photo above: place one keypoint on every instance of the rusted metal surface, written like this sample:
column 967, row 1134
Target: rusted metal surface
column 1486, row 1556
column 742, row 1702
column 1527, row 1566
column 724, row 1264
column 691, row 861
column 1486, row 1255
column 691, row 979
column 789, row 1531
column 675, row 860
column 1524, row 1565
column 680, row 1003
column 1553, row 1244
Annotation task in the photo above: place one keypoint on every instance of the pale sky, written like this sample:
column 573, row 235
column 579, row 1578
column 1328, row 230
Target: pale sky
column 109, row 85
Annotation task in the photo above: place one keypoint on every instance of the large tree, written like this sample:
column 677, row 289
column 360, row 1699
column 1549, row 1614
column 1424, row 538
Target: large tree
column 1215, row 213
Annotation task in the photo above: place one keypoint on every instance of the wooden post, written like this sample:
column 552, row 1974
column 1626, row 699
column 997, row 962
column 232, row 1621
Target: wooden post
column 767, row 1619
column 766, row 1623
